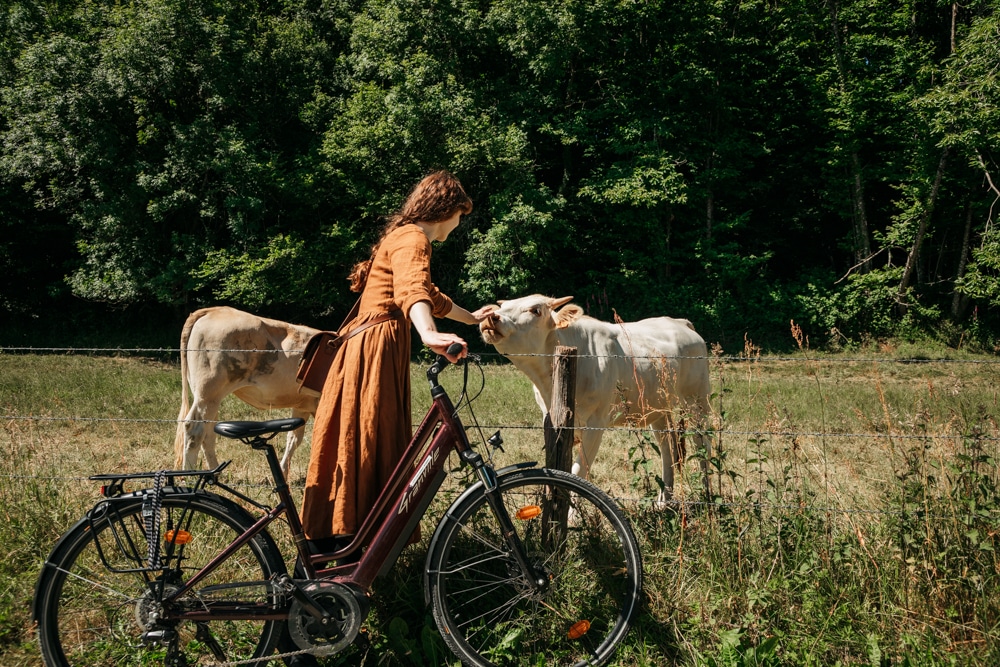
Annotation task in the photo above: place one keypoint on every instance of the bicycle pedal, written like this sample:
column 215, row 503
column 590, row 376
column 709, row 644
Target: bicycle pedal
column 160, row 637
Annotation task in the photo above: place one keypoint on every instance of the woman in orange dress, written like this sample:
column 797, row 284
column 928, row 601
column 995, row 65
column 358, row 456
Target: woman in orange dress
column 363, row 422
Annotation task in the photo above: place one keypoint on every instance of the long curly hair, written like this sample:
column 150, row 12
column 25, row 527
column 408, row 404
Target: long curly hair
column 434, row 199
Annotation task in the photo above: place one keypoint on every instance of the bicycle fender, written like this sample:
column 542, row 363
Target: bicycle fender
column 472, row 490
column 517, row 466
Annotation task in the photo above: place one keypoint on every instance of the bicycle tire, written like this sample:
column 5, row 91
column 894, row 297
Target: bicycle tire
column 485, row 608
column 90, row 615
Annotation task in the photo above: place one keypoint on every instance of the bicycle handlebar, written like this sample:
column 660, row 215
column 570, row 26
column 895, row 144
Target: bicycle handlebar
column 441, row 362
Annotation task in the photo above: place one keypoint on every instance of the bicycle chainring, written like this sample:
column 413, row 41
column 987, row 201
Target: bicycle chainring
column 311, row 634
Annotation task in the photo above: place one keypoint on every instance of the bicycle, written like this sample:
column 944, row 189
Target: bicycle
column 527, row 566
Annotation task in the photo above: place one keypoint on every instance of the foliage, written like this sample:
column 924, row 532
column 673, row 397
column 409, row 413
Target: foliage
column 982, row 282
column 966, row 489
column 731, row 164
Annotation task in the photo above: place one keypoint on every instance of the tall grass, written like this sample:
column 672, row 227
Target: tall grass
column 855, row 519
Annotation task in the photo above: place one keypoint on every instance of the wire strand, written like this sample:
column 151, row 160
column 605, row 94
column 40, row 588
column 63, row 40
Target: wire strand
column 497, row 355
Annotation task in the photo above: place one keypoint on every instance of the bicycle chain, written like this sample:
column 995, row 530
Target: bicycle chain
column 251, row 661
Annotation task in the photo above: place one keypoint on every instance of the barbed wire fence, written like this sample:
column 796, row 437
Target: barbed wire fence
column 732, row 358
column 748, row 434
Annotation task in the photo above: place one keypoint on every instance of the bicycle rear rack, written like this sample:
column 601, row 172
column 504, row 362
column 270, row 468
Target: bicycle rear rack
column 115, row 482
column 125, row 537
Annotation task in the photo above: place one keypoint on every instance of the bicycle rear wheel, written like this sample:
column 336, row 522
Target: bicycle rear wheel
column 90, row 614
column 489, row 613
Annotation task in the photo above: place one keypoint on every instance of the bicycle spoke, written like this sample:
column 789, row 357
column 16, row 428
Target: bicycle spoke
column 588, row 582
column 90, row 581
column 97, row 611
column 495, row 614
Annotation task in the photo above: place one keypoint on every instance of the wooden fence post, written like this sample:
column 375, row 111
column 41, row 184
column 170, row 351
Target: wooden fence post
column 559, row 421
column 559, row 441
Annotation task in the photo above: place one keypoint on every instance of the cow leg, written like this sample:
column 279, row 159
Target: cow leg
column 198, row 433
column 672, row 450
column 700, row 411
column 194, row 433
column 590, row 442
column 208, row 442
column 669, row 443
column 294, row 438
column 704, row 442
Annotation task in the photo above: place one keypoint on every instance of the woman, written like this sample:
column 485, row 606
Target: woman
column 363, row 422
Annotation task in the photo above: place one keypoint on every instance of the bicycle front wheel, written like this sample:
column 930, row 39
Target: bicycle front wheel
column 586, row 574
column 97, row 605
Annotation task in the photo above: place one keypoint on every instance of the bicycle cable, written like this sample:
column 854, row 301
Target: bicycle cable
column 464, row 397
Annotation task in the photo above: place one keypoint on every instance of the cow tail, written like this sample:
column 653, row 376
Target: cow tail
column 179, row 437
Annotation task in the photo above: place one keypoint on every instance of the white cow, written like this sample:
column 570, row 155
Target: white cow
column 227, row 351
column 659, row 366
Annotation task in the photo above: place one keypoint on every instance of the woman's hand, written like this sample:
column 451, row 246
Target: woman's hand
column 420, row 315
column 440, row 342
column 481, row 314
column 460, row 314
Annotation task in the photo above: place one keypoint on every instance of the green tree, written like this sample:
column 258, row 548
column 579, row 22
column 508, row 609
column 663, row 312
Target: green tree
column 917, row 198
column 739, row 164
column 173, row 135
column 965, row 114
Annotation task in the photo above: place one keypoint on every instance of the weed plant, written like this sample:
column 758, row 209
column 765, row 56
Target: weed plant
column 854, row 515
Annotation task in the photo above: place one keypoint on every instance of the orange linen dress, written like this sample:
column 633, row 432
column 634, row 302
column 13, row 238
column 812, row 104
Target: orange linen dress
column 363, row 422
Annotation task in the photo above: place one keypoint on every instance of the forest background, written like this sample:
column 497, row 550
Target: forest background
column 742, row 164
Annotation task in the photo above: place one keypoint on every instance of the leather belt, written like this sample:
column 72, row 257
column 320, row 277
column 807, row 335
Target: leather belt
column 391, row 315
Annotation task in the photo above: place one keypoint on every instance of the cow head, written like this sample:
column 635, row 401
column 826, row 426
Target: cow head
column 524, row 325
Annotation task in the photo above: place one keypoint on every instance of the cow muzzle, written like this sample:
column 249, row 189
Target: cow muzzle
column 489, row 330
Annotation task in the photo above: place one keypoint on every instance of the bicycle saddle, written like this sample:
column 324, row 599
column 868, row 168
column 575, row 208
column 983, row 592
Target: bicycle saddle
column 247, row 429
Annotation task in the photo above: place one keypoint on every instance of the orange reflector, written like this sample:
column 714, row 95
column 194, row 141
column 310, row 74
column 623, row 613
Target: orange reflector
column 177, row 536
column 528, row 512
column 578, row 629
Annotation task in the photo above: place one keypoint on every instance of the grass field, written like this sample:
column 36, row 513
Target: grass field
column 855, row 522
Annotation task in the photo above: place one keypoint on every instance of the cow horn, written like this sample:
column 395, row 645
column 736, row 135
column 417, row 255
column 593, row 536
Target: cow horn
column 559, row 303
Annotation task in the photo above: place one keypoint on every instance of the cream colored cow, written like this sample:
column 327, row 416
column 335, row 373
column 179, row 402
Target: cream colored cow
column 659, row 366
column 227, row 351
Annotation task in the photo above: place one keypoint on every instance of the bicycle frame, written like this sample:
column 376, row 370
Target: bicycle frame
column 405, row 499
column 387, row 528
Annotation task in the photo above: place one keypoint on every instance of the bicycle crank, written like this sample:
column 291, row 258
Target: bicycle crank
column 327, row 636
